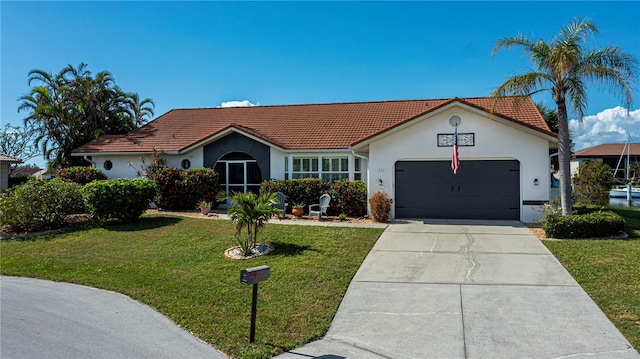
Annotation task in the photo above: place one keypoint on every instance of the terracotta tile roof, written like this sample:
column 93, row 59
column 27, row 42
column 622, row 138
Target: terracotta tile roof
column 9, row 159
column 27, row 170
column 607, row 149
column 293, row 127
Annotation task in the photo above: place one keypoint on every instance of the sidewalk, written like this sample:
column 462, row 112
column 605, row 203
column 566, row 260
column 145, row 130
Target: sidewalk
column 465, row 289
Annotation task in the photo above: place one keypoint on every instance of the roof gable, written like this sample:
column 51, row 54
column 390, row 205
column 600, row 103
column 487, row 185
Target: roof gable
column 296, row 127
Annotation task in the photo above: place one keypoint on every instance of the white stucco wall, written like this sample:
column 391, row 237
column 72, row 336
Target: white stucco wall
column 121, row 163
column 277, row 163
column 493, row 141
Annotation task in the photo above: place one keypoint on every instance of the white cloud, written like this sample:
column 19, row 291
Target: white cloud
column 243, row 103
column 609, row 126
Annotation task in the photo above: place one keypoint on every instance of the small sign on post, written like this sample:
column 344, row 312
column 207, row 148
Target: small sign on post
column 254, row 276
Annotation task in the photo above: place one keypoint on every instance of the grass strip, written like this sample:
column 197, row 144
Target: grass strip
column 609, row 271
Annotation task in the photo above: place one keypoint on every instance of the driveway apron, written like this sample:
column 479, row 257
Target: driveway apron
column 465, row 289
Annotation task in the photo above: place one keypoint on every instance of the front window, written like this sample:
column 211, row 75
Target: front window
column 305, row 167
column 357, row 172
column 335, row 168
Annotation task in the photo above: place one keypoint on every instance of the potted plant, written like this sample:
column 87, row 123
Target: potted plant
column 297, row 209
column 205, row 207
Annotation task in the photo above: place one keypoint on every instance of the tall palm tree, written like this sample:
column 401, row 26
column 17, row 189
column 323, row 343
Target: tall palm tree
column 564, row 67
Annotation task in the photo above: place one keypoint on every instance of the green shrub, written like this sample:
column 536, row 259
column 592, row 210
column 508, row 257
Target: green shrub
column 183, row 189
column 80, row 174
column 348, row 197
column 40, row 205
column 380, row 206
column 20, row 179
column 123, row 199
column 593, row 224
column 302, row 190
column 592, row 183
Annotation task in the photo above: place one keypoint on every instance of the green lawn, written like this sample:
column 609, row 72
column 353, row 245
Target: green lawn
column 177, row 265
column 609, row 270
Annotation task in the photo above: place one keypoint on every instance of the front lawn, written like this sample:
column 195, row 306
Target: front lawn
column 609, row 271
column 177, row 266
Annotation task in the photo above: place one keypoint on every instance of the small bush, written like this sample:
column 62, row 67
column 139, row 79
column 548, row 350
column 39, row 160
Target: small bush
column 40, row 205
column 123, row 199
column 592, row 183
column 183, row 189
column 380, row 206
column 20, row 179
column 80, row 174
column 593, row 224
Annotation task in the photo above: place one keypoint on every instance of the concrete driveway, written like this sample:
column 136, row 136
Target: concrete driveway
column 465, row 289
column 44, row 319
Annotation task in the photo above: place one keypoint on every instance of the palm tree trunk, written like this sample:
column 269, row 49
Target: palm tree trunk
column 564, row 157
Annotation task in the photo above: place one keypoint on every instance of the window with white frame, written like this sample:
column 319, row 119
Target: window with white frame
column 335, row 168
column 357, row 172
column 305, row 167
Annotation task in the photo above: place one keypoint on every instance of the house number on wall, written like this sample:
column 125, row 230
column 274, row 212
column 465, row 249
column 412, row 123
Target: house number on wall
column 464, row 139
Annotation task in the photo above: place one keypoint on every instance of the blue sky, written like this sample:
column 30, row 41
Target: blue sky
column 204, row 54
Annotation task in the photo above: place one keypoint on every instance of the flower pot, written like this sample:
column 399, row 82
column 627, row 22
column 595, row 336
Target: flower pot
column 297, row 211
column 205, row 211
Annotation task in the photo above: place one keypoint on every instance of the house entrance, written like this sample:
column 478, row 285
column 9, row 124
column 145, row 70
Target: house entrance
column 239, row 172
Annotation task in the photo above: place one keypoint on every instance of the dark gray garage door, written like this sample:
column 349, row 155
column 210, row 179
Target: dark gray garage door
column 480, row 190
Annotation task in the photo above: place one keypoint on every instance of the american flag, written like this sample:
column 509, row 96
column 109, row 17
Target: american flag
column 455, row 160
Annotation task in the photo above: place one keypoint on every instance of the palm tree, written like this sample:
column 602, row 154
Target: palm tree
column 251, row 211
column 564, row 67
column 72, row 107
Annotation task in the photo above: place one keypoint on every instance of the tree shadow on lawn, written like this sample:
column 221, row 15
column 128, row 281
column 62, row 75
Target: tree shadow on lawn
column 289, row 249
column 142, row 224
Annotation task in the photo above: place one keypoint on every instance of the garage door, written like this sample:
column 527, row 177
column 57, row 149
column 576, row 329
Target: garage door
column 480, row 190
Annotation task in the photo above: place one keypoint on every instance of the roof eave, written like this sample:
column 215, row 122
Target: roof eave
column 549, row 136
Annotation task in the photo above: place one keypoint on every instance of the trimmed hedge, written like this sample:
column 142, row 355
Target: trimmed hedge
column 183, row 189
column 40, row 205
column 81, row 174
column 589, row 225
column 123, row 199
column 300, row 190
column 348, row 197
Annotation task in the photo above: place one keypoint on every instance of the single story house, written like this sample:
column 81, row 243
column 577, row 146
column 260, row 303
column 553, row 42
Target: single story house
column 401, row 147
column 36, row 172
column 5, row 169
column 613, row 154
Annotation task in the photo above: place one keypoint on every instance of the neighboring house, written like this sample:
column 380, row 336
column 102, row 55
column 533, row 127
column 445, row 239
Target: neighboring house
column 36, row 172
column 5, row 164
column 401, row 147
column 613, row 154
